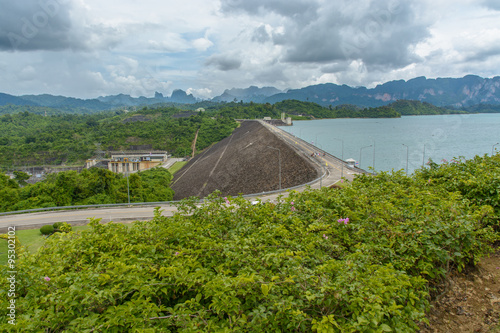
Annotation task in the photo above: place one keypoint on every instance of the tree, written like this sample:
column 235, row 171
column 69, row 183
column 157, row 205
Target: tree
column 21, row 177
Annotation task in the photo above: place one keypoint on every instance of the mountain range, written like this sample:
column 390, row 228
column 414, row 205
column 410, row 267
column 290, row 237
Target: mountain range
column 444, row 92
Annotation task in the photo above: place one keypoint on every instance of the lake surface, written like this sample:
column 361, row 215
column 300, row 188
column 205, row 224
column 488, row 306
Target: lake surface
column 396, row 143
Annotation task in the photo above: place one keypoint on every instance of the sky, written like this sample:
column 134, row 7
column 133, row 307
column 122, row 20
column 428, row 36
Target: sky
column 91, row 48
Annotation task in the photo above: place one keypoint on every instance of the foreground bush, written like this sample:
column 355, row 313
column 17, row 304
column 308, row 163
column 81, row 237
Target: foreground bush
column 47, row 230
column 360, row 259
column 62, row 227
column 477, row 179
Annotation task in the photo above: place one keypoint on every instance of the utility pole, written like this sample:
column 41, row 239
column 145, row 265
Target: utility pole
column 406, row 158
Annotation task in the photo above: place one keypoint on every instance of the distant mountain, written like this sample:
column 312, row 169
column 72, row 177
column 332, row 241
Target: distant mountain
column 180, row 96
column 6, row 99
column 66, row 102
column 250, row 94
column 98, row 104
column 458, row 93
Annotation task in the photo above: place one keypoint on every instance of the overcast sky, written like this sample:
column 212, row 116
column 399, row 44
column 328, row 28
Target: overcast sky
column 91, row 48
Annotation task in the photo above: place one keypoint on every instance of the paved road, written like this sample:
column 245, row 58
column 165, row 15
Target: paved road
column 333, row 169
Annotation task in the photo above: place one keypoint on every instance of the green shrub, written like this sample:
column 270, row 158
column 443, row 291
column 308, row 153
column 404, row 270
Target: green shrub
column 65, row 227
column 47, row 230
column 57, row 225
column 62, row 227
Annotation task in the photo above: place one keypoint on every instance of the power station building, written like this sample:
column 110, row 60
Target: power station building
column 130, row 161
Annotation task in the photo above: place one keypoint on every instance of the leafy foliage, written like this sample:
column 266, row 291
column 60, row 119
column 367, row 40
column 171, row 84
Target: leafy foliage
column 47, row 230
column 415, row 108
column 62, row 227
column 27, row 138
column 359, row 259
column 301, row 110
column 477, row 179
column 91, row 186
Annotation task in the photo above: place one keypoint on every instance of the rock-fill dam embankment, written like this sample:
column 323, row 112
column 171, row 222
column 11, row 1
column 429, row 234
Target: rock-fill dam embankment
column 243, row 163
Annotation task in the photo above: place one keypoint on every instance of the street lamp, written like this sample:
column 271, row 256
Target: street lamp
column 342, row 172
column 406, row 158
column 128, row 186
column 373, row 165
column 279, row 162
column 492, row 148
column 360, row 149
column 423, row 159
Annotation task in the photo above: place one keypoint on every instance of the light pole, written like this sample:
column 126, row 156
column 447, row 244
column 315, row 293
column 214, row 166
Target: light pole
column 341, row 172
column 128, row 186
column 423, row 159
column 373, row 165
column 279, row 163
column 360, row 149
column 406, row 158
column 493, row 148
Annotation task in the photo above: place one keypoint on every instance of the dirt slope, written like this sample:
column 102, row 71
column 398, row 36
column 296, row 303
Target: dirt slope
column 243, row 163
column 470, row 302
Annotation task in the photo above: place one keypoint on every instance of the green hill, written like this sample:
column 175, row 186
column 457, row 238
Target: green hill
column 33, row 139
column 413, row 108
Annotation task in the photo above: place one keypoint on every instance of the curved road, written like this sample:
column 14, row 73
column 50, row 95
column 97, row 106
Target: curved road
column 333, row 170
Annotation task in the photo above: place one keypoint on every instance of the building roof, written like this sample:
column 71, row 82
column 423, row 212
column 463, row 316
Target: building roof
column 139, row 152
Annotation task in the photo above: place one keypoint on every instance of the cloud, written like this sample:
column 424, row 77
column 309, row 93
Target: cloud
column 373, row 32
column 202, row 44
column 38, row 25
column 223, row 62
column 381, row 35
column 288, row 8
column 200, row 93
column 491, row 4
column 261, row 34
column 170, row 42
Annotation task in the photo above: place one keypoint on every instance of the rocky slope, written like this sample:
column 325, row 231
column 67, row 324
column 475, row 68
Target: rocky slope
column 243, row 163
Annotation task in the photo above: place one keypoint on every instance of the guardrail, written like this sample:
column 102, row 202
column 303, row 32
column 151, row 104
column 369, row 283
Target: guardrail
column 36, row 210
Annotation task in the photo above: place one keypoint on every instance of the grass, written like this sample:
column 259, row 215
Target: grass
column 176, row 167
column 31, row 239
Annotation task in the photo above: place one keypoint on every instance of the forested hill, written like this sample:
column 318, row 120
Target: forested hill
column 299, row 110
column 31, row 139
column 416, row 108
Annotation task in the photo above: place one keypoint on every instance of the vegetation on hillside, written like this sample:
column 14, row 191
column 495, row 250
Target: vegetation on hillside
column 27, row 138
column 417, row 108
column 42, row 110
column 365, row 258
column 481, row 108
column 301, row 110
column 91, row 186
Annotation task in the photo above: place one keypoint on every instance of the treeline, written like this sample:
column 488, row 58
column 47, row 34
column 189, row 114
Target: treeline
column 42, row 110
column 91, row 186
column 299, row 110
column 416, row 108
column 27, row 138
column 481, row 108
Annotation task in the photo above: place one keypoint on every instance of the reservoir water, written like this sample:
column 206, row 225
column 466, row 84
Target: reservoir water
column 398, row 143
